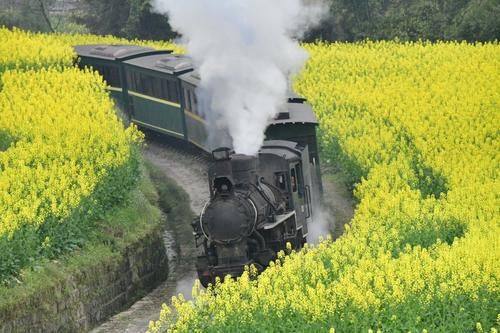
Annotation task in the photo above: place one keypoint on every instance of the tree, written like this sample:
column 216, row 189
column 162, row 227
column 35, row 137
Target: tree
column 26, row 14
column 472, row 20
column 478, row 21
column 104, row 17
column 125, row 18
column 45, row 15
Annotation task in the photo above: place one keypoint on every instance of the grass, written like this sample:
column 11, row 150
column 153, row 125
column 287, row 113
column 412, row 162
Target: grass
column 122, row 226
column 172, row 198
column 5, row 140
column 174, row 201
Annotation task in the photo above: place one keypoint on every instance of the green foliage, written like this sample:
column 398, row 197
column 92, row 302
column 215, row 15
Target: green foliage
column 5, row 140
column 479, row 21
column 172, row 198
column 67, row 25
column 472, row 20
column 25, row 13
column 125, row 18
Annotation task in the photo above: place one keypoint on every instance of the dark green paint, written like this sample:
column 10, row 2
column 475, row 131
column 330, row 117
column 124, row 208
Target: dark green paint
column 159, row 115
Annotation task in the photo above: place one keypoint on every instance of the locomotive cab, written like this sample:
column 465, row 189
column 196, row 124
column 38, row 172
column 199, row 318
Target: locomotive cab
column 257, row 205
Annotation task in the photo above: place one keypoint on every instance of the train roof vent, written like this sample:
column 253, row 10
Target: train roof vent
column 283, row 115
column 117, row 51
column 296, row 100
column 196, row 75
column 174, row 64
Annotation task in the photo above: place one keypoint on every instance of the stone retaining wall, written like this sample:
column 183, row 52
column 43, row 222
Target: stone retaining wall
column 94, row 293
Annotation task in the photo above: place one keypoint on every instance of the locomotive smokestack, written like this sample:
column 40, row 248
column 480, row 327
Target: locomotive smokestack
column 232, row 170
column 244, row 169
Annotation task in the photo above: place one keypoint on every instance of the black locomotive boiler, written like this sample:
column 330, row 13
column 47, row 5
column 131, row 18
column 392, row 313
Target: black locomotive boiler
column 257, row 205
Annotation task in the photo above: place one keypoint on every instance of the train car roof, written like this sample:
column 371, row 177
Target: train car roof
column 115, row 52
column 296, row 112
column 192, row 77
column 165, row 63
column 288, row 150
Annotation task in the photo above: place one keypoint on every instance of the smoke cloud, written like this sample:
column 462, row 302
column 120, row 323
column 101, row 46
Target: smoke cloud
column 320, row 227
column 245, row 50
column 185, row 285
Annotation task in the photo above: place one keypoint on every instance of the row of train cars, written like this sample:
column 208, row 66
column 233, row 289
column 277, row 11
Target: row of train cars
column 157, row 90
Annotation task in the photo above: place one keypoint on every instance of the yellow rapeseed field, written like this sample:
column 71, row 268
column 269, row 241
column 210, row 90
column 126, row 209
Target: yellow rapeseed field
column 416, row 127
column 64, row 138
column 21, row 49
column 65, row 157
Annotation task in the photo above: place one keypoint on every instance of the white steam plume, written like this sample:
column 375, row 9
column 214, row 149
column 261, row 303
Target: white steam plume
column 185, row 285
column 245, row 51
column 320, row 227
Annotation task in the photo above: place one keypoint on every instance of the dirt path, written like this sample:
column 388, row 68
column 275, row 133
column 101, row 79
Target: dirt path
column 190, row 173
column 339, row 202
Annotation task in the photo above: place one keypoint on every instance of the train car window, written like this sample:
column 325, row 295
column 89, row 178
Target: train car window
column 136, row 80
column 109, row 75
column 141, row 87
column 130, row 81
column 173, row 91
column 131, row 105
column 167, row 91
column 300, row 180
column 105, row 73
column 280, row 180
column 164, row 89
column 194, row 102
column 115, row 77
column 138, row 84
column 293, row 180
column 146, row 84
column 157, row 87
column 149, row 86
column 187, row 101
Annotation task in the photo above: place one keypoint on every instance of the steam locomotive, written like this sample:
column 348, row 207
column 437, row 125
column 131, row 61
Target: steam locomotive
column 257, row 204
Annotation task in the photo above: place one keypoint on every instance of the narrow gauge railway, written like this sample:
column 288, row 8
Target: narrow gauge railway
column 257, row 204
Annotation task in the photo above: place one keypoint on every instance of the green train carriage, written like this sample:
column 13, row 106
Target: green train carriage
column 108, row 61
column 155, row 97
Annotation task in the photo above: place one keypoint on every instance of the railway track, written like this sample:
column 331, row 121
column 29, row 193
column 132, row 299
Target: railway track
column 189, row 171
